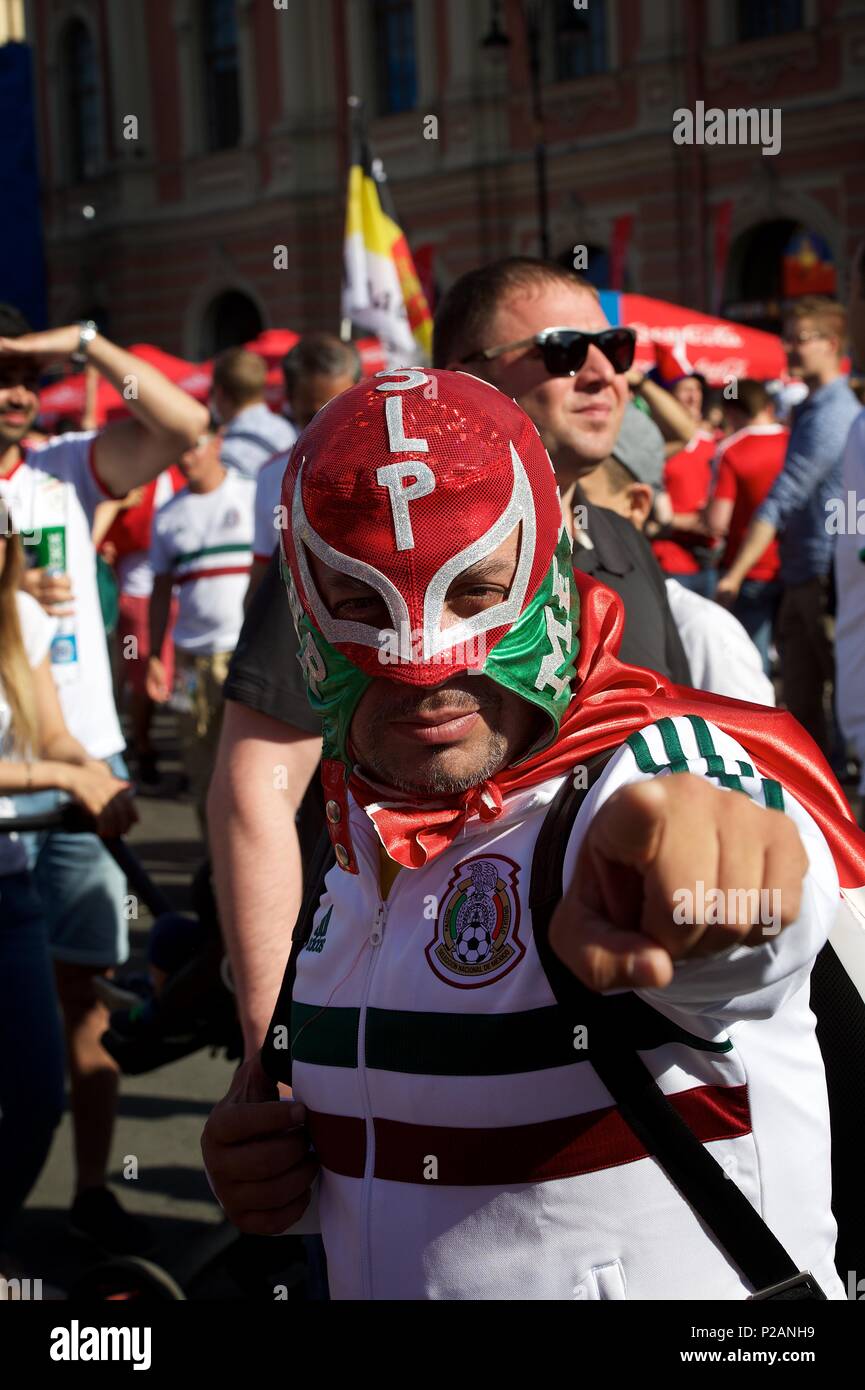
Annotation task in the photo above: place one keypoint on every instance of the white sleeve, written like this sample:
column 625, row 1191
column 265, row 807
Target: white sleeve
column 744, row 982
column 37, row 627
column 70, row 458
column 263, row 533
column 268, row 489
column 721, row 655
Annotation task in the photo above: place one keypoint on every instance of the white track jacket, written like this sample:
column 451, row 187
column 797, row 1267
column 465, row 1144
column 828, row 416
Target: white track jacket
column 469, row 1149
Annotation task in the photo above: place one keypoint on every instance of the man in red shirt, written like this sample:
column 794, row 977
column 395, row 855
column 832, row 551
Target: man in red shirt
column 749, row 461
column 681, row 548
column 682, row 545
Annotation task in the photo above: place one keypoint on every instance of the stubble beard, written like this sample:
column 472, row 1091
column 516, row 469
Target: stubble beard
column 425, row 772
column 435, row 780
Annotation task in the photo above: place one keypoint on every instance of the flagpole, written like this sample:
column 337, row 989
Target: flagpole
column 355, row 107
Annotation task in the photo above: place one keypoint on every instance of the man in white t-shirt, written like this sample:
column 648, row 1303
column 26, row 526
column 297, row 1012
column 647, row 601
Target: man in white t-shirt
column 318, row 368
column 202, row 543
column 252, row 432
column 52, row 493
column 721, row 655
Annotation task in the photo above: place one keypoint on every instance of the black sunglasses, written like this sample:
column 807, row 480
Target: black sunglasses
column 564, row 350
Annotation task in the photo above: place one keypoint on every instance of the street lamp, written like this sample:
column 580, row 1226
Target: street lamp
column 496, row 38
column 495, row 42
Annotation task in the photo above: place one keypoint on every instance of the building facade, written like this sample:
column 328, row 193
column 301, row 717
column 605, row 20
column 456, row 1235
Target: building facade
column 183, row 142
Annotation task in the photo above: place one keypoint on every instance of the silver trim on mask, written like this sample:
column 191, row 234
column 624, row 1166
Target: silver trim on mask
column 337, row 629
column 520, row 509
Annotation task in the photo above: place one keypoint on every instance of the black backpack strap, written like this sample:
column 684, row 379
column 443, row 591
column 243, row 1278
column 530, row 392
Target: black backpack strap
column 277, row 1060
column 722, row 1207
column 839, row 1010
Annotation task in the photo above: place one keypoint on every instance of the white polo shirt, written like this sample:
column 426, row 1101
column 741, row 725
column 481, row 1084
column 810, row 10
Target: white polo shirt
column 204, row 540
column 134, row 575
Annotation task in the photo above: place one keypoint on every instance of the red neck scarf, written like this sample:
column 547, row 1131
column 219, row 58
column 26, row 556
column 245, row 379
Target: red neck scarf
column 612, row 700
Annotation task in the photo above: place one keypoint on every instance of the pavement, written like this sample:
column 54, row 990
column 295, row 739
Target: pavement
column 160, row 1114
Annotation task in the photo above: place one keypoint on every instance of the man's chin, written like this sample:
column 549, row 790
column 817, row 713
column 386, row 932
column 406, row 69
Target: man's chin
column 444, row 772
column 13, row 434
column 585, row 453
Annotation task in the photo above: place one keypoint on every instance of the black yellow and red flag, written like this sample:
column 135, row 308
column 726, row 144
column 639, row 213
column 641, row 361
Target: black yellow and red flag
column 381, row 288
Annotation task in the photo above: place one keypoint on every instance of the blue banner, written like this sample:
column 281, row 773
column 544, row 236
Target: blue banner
column 610, row 306
column 22, row 259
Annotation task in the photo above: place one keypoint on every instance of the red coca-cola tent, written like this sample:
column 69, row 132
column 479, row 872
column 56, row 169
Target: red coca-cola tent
column 715, row 347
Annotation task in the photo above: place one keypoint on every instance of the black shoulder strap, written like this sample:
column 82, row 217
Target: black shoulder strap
column 840, row 1013
column 276, row 1049
column 723, row 1208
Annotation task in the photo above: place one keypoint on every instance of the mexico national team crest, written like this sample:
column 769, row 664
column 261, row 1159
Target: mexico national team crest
column 476, row 940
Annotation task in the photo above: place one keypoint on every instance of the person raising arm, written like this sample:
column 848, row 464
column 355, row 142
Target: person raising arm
column 130, row 452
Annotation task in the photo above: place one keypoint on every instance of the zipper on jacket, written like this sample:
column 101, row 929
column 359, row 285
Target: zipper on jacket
column 375, row 937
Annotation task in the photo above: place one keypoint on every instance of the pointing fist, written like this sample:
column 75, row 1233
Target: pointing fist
column 656, row 847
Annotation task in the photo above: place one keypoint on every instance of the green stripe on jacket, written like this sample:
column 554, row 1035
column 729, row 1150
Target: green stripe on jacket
column 440, row 1044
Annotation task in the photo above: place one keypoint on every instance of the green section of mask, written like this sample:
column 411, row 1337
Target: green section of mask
column 537, row 657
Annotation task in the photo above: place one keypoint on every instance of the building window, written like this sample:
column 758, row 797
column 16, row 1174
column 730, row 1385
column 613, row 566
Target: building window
column 760, row 19
column 82, row 103
column 396, row 72
column 221, row 74
column 580, row 40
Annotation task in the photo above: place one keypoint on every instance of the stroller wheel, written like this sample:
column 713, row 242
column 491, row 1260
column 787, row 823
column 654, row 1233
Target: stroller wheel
column 130, row 1280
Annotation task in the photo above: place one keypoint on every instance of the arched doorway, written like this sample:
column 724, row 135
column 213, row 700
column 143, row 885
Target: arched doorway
column 230, row 319
column 771, row 264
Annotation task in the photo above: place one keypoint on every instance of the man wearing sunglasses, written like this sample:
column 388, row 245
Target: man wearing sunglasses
column 537, row 331
column 797, row 511
column 850, row 554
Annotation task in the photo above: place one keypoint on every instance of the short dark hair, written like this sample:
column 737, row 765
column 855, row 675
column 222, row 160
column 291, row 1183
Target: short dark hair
column 12, row 322
column 463, row 316
column 751, row 398
column 320, row 354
